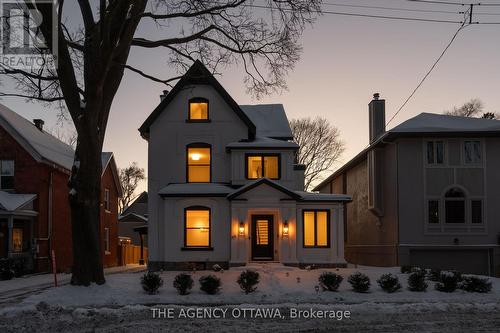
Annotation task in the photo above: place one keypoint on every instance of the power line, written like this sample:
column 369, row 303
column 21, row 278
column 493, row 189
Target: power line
column 428, row 72
column 391, row 8
column 441, row 2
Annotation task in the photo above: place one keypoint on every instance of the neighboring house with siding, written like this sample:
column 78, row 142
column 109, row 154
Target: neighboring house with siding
column 425, row 192
column 134, row 216
column 34, row 207
column 224, row 186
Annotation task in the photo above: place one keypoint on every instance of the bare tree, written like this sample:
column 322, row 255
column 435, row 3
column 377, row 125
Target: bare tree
column 130, row 177
column 262, row 37
column 69, row 137
column 320, row 146
column 472, row 108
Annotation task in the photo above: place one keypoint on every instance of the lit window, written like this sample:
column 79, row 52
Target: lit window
column 472, row 150
column 6, row 174
column 435, row 152
column 433, row 213
column 198, row 109
column 316, row 228
column 259, row 166
column 454, row 206
column 106, row 240
column 477, row 211
column 106, row 199
column 17, row 240
column 198, row 163
column 197, row 221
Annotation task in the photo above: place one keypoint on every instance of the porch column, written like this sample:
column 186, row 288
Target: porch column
column 340, row 233
column 10, row 226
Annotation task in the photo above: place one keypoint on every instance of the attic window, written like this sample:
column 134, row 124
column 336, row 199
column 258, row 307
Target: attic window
column 198, row 109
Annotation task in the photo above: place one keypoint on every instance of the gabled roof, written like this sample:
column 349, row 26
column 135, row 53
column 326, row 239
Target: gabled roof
column 270, row 120
column 197, row 74
column 11, row 202
column 108, row 159
column 39, row 144
column 425, row 124
column 263, row 181
column 138, row 206
column 132, row 217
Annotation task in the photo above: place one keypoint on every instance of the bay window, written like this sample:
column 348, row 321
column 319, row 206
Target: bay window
column 263, row 165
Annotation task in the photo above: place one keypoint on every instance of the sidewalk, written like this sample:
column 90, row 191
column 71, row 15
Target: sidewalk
column 31, row 283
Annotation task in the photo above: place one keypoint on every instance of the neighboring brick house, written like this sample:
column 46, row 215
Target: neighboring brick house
column 424, row 193
column 34, row 206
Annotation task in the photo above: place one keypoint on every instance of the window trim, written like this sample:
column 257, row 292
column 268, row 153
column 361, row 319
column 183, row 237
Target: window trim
column 262, row 155
column 198, row 145
column 198, row 100
column 106, row 241
column 465, row 199
column 434, row 156
column 464, row 161
column 328, row 229
column 198, row 248
column 107, row 203
column 13, row 174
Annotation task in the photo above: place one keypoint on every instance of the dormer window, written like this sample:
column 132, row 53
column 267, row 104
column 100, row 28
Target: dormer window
column 198, row 110
column 199, row 163
column 263, row 165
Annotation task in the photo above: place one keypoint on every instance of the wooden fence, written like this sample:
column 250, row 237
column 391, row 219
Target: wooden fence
column 130, row 254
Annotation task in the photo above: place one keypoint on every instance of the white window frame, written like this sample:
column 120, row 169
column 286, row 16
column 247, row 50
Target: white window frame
column 106, row 241
column 7, row 175
column 481, row 150
column 434, row 157
column 106, row 201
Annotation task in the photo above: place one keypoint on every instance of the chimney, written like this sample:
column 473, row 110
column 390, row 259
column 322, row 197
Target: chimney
column 162, row 96
column 376, row 110
column 39, row 124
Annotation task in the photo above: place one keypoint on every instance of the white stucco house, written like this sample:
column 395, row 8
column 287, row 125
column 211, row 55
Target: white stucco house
column 224, row 186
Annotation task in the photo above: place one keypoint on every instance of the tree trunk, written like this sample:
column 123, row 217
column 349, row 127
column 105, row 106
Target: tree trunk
column 85, row 194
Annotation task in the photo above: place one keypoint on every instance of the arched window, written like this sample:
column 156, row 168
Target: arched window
column 454, row 205
column 197, row 227
column 198, row 109
column 198, row 163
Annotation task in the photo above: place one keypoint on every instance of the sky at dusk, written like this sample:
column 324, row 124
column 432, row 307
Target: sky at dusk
column 344, row 61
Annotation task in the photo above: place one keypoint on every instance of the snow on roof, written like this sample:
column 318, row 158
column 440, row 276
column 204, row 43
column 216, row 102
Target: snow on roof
column 432, row 122
column 263, row 142
column 11, row 202
column 270, row 120
column 39, row 142
column 132, row 217
column 43, row 143
column 311, row 196
column 195, row 189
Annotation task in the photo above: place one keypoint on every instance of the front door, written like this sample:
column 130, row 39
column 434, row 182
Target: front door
column 262, row 237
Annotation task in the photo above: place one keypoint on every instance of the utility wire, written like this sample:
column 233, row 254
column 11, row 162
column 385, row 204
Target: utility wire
column 429, row 71
column 391, row 8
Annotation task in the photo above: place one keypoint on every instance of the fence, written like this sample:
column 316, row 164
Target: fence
column 130, row 254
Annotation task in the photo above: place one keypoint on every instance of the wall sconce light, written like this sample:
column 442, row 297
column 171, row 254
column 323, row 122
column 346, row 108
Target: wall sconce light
column 241, row 229
column 285, row 229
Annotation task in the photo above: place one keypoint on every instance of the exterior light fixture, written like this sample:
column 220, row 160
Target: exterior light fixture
column 285, row 229
column 242, row 229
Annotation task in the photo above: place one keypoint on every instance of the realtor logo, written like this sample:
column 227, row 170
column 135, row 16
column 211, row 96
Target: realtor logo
column 23, row 44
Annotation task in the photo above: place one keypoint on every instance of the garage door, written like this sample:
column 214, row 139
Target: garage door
column 466, row 261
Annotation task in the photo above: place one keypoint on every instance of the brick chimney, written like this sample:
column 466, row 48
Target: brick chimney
column 376, row 110
column 162, row 96
column 39, row 124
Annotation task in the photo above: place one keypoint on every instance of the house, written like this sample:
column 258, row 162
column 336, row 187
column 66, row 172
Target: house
column 34, row 207
column 224, row 186
column 424, row 193
column 134, row 216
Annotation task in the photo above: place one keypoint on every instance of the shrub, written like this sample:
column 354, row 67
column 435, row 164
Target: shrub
column 476, row 284
column 405, row 269
column 360, row 282
column 433, row 274
column 448, row 281
column 183, row 283
column 330, row 281
column 248, row 281
column 151, row 282
column 389, row 283
column 216, row 268
column 210, row 284
column 6, row 273
column 416, row 281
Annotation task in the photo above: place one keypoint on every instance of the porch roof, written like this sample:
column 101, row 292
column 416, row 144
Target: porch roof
column 263, row 142
column 11, row 202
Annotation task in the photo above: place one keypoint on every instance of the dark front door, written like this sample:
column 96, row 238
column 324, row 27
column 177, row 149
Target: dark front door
column 262, row 237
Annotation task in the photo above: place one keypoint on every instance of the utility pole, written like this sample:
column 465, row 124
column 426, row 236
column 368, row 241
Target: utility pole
column 470, row 13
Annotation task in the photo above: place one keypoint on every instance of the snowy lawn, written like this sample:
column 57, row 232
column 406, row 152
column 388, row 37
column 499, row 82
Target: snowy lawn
column 278, row 285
